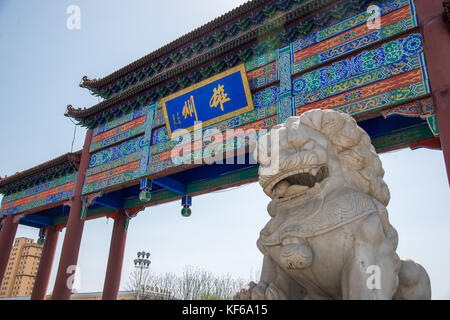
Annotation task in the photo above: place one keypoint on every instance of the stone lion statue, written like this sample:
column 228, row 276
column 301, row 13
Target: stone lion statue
column 329, row 235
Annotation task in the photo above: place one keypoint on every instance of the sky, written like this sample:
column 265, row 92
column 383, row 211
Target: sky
column 41, row 65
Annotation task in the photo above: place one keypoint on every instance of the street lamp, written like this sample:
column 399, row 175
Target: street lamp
column 142, row 262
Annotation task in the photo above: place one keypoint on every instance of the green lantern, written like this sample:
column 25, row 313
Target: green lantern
column 145, row 196
column 186, row 212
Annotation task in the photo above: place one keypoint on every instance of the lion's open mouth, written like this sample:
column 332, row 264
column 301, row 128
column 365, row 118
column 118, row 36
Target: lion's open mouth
column 299, row 183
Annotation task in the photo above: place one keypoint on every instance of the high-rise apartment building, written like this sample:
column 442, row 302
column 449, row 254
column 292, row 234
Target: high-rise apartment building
column 21, row 271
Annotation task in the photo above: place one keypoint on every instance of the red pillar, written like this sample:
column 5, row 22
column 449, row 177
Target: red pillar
column 115, row 260
column 436, row 39
column 7, row 235
column 45, row 264
column 74, row 229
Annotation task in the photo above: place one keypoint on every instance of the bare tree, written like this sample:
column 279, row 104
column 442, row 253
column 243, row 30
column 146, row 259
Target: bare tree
column 138, row 281
column 148, row 285
column 200, row 284
column 193, row 284
column 166, row 285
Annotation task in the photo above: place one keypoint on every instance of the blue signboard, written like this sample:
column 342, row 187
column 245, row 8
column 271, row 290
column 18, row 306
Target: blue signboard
column 210, row 101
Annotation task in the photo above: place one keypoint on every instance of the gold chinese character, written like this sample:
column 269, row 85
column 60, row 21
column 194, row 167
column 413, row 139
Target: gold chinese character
column 219, row 97
column 189, row 108
column 175, row 122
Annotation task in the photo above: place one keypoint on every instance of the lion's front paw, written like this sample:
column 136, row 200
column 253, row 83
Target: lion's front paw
column 260, row 291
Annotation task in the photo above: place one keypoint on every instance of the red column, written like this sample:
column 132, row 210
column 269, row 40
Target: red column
column 45, row 264
column 74, row 229
column 115, row 260
column 436, row 39
column 7, row 235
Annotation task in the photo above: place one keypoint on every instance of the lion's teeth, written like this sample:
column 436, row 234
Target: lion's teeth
column 295, row 189
column 314, row 171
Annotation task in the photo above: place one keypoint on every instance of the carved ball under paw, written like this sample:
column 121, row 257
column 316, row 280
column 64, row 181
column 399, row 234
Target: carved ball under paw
column 297, row 255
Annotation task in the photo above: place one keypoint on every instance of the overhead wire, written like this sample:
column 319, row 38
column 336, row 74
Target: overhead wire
column 74, row 133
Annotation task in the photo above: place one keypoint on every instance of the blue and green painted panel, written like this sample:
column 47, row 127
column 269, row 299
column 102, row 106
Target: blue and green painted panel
column 45, row 194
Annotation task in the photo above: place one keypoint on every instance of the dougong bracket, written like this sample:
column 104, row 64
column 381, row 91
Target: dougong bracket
column 87, row 201
column 131, row 213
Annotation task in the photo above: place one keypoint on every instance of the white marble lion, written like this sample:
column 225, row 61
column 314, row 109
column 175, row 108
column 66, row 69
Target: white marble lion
column 329, row 235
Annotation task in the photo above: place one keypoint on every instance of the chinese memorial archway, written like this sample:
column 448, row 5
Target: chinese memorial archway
column 166, row 119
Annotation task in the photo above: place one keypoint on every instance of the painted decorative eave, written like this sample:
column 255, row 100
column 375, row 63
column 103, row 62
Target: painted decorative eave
column 191, row 36
column 39, row 173
column 307, row 7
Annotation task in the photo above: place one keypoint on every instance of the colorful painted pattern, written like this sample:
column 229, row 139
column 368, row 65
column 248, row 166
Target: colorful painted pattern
column 423, row 109
column 385, row 72
column 118, row 163
column 112, row 181
column 115, row 163
column 121, row 129
column 131, row 132
column 262, row 76
column 113, row 172
column 360, row 37
column 232, row 123
column 414, row 109
column 384, row 99
column 125, row 127
column 160, row 135
column 346, row 24
column 48, row 193
column 87, row 201
column 146, row 152
column 402, row 137
column 159, row 120
column 388, row 60
column 285, row 109
column 116, row 152
column 261, row 61
column 119, row 121
column 402, row 87
column 266, row 97
column 163, row 161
